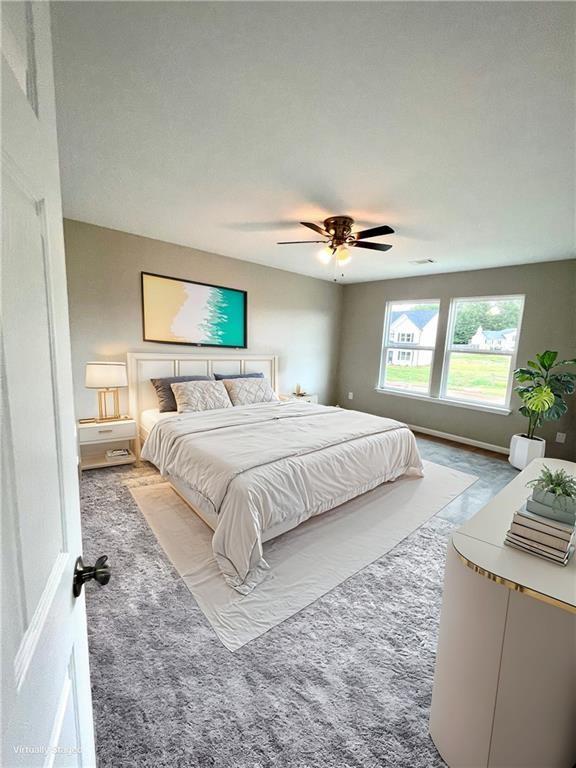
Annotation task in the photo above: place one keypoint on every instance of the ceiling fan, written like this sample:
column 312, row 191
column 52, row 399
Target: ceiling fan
column 337, row 231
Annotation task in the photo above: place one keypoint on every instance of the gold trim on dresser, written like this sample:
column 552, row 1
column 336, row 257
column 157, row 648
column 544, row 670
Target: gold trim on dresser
column 514, row 586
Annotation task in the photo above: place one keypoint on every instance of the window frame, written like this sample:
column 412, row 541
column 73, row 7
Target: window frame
column 449, row 348
column 388, row 345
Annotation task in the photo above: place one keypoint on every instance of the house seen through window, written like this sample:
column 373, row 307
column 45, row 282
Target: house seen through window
column 476, row 358
column 411, row 324
column 481, row 349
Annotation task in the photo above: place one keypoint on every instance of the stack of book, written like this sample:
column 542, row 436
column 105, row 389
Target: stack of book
column 541, row 536
column 117, row 453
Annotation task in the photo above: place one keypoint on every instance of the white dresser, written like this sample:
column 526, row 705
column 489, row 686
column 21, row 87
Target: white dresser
column 505, row 680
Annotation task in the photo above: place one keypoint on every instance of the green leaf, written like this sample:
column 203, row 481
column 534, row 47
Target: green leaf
column 541, row 391
column 526, row 374
column 562, row 383
column 556, row 411
column 540, row 399
column 547, row 359
column 558, row 482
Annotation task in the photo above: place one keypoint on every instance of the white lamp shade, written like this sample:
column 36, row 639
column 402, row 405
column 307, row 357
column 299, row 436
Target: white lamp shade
column 105, row 375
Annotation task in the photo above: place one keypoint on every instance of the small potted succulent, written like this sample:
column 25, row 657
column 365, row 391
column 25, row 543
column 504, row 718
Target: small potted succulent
column 542, row 386
column 555, row 495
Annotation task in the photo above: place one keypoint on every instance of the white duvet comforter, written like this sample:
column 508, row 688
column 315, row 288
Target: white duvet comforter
column 272, row 463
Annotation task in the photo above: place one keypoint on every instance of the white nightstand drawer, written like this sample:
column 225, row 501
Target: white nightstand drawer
column 105, row 431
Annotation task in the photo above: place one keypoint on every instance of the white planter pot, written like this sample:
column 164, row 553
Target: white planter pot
column 523, row 450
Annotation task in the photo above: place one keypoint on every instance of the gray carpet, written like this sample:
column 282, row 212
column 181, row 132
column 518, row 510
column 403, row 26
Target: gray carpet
column 346, row 682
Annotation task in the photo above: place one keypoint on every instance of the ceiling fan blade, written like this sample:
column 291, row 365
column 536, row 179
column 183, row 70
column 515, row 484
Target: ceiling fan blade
column 374, row 232
column 294, row 242
column 372, row 246
column 315, row 227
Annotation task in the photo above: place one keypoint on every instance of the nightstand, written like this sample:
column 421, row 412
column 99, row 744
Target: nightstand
column 95, row 438
column 302, row 398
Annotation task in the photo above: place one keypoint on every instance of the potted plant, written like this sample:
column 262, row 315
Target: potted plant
column 554, row 494
column 542, row 388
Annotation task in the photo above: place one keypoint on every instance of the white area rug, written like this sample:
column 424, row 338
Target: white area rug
column 306, row 562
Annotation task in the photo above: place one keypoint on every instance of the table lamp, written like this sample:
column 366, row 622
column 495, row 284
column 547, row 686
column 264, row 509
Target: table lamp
column 106, row 378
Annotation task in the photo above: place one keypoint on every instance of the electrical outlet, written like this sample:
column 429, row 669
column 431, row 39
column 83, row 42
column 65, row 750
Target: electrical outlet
column 560, row 437
column 350, row 395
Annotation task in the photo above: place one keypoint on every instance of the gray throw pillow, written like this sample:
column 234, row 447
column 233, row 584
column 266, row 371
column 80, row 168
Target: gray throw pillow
column 220, row 376
column 166, row 399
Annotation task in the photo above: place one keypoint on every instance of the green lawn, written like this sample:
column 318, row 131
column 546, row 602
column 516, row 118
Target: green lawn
column 408, row 376
column 479, row 377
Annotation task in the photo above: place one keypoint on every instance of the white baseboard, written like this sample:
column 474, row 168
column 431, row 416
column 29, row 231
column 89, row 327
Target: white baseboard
column 460, row 439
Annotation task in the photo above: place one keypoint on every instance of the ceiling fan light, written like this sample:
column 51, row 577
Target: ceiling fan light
column 343, row 255
column 325, row 255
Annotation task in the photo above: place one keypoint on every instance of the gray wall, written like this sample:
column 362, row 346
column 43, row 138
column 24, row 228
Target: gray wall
column 549, row 323
column 290, row 315
column 298, row 318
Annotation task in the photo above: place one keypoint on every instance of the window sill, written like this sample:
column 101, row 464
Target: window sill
column 500, row 410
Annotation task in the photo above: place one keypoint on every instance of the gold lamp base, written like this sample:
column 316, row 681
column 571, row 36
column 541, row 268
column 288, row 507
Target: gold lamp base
column 103, row 414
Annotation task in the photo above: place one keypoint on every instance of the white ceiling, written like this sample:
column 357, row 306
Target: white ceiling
column 221, row 125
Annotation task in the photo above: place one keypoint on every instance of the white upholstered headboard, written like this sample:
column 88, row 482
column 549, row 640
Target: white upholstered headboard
column 143, row 366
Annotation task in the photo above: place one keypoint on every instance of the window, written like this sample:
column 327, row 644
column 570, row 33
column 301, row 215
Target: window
column 481, row 349
column 412, row 323
column 477, row 354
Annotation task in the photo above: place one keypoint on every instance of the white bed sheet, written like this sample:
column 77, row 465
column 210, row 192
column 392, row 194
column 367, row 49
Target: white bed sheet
column 152, row 416
column 264, row 465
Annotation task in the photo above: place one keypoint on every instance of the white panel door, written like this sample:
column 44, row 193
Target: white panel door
column 45, row 686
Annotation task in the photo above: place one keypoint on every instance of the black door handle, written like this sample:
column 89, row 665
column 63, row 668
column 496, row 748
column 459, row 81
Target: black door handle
column 100, row 572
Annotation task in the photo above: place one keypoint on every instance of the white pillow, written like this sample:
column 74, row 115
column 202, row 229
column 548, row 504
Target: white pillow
column 249, row 391
column 200, row 395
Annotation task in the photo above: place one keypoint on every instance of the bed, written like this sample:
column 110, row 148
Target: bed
column 254, row 472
